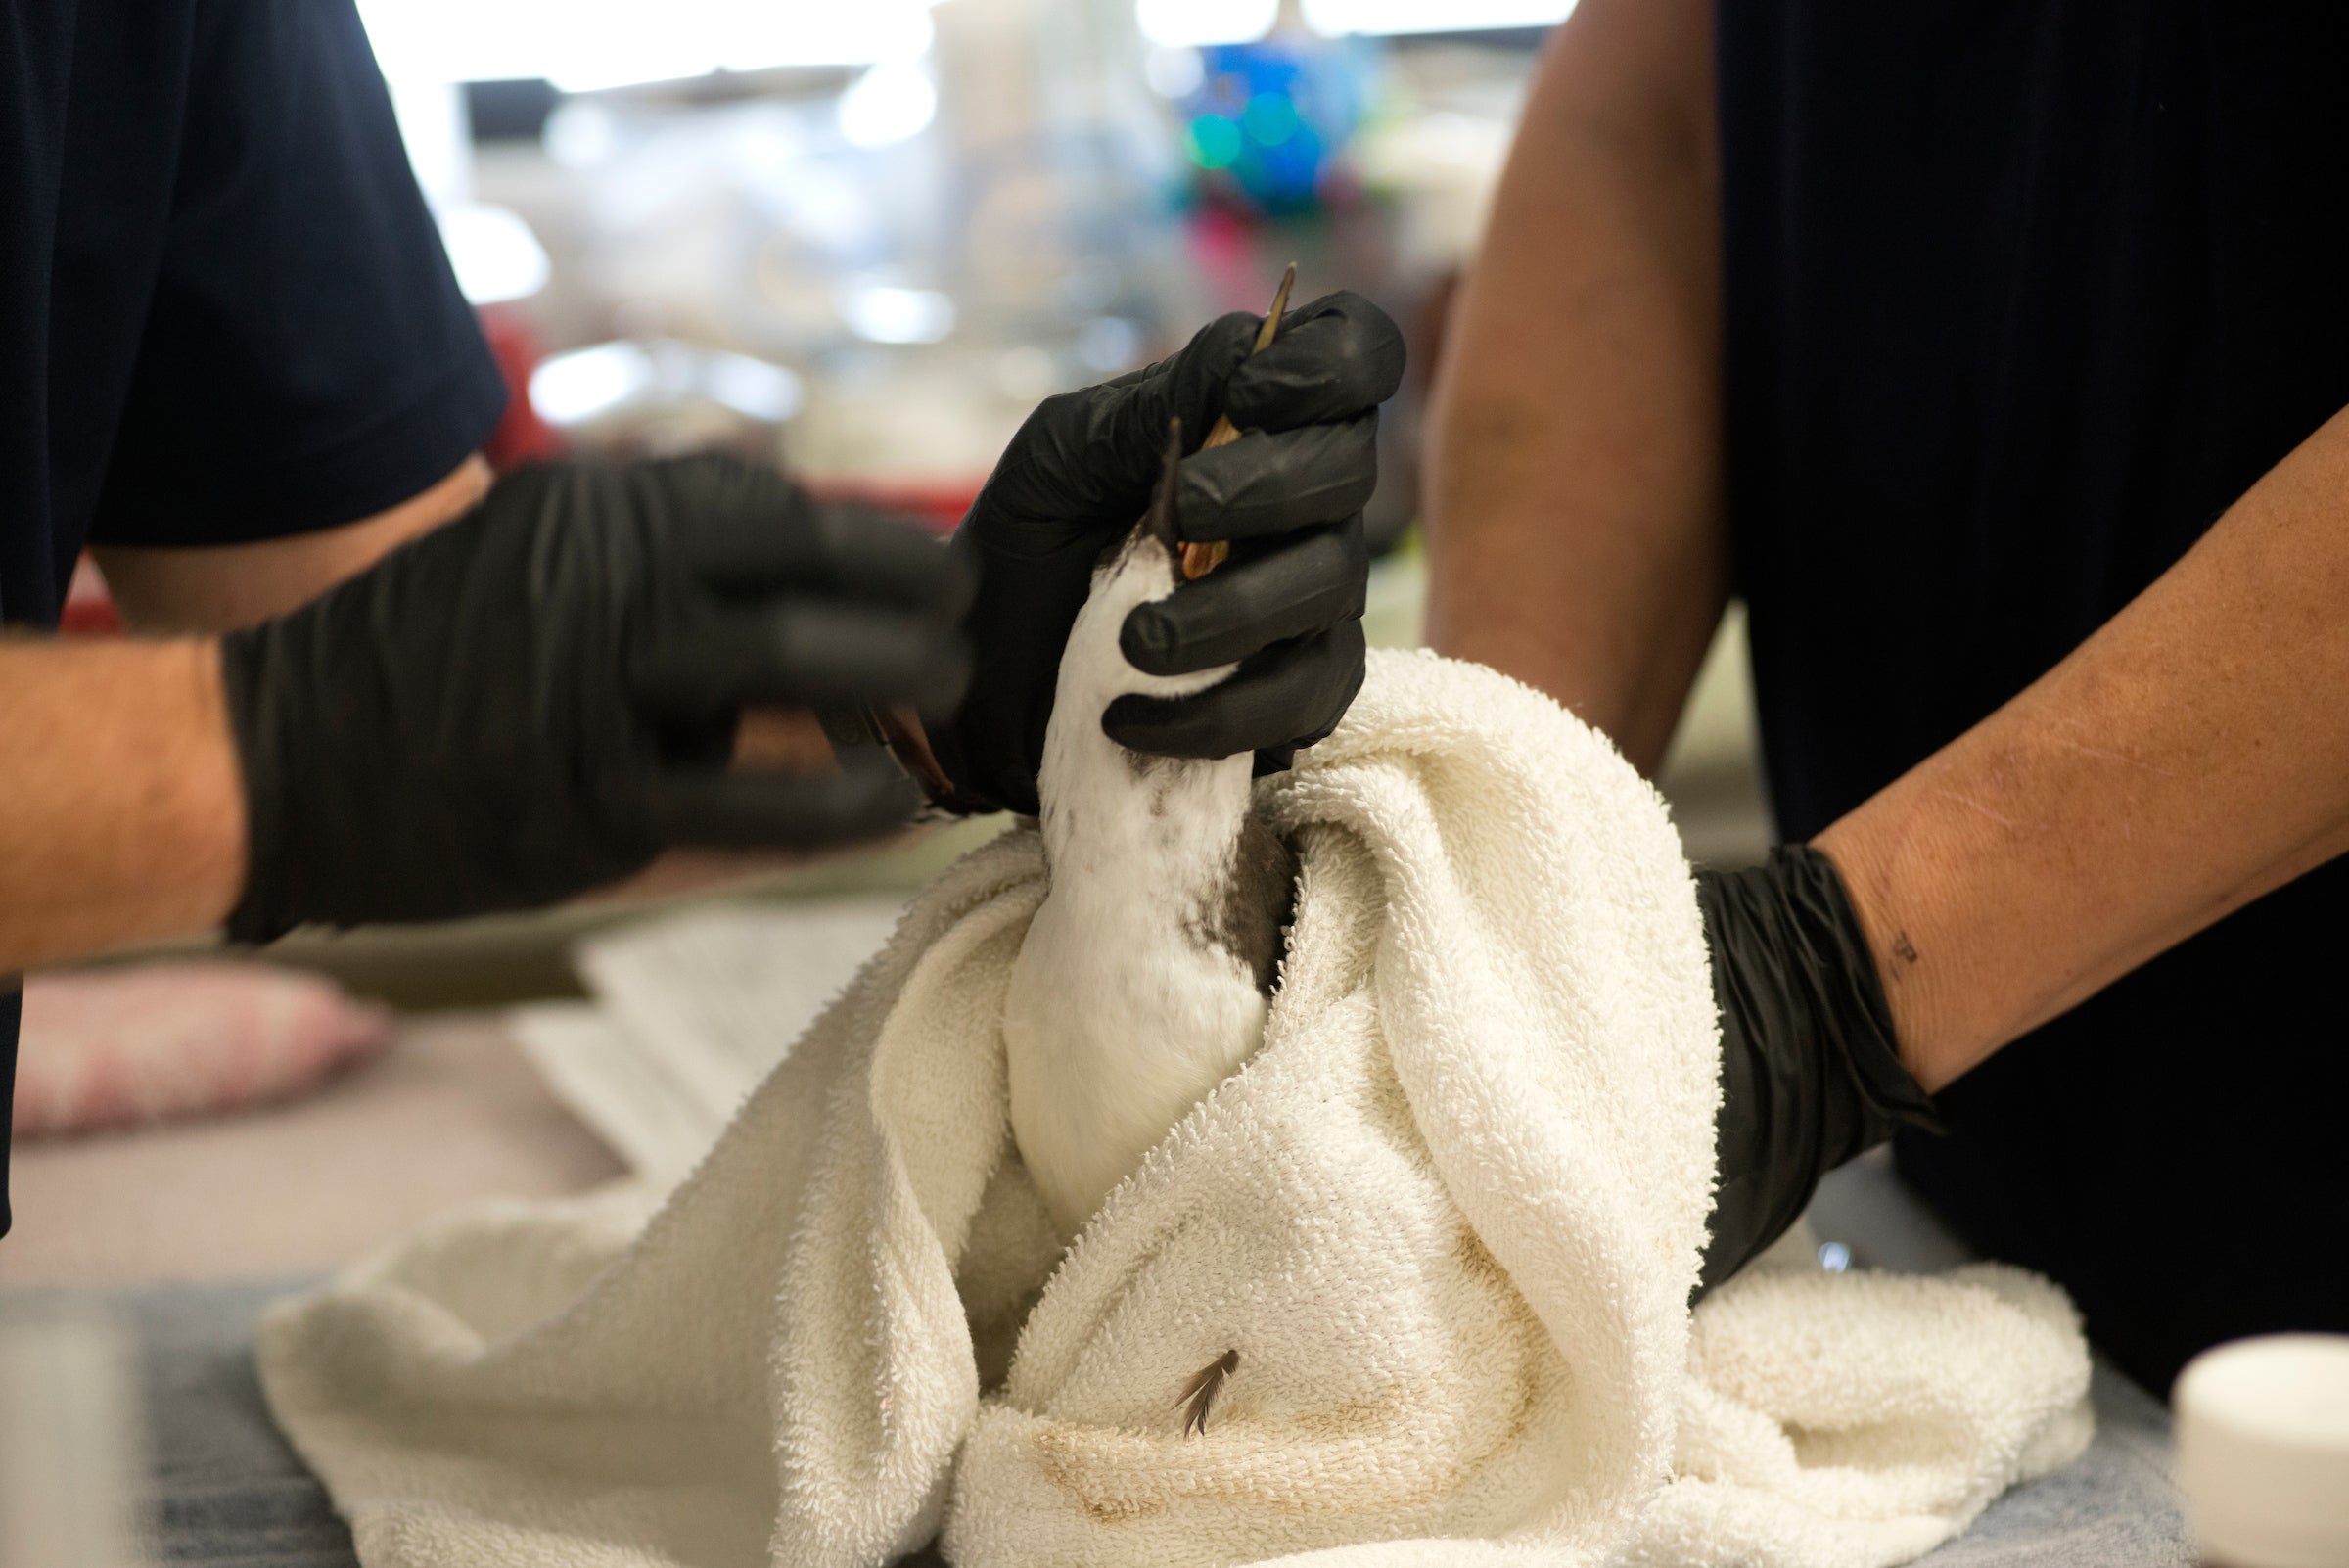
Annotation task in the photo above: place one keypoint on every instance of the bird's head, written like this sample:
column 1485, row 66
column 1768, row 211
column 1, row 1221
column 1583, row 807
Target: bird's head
column 1142, row 566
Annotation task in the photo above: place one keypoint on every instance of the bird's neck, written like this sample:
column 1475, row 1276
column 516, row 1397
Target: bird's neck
column 1141, row 981
column 1144, row 836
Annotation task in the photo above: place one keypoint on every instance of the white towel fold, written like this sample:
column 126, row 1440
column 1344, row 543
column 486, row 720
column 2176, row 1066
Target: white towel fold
column 1449, row 1217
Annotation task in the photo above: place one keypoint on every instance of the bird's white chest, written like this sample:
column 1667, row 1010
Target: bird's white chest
column 1126, row 1004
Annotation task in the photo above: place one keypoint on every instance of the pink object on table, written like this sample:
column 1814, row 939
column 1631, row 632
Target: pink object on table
column 113, row 1047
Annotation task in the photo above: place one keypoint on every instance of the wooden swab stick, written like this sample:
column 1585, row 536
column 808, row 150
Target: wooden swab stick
column 1202, row 556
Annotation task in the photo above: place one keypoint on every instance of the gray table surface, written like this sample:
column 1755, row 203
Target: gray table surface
column 229, row 1493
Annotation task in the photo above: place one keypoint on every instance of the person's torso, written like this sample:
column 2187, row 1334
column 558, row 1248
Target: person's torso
column 2020, row 296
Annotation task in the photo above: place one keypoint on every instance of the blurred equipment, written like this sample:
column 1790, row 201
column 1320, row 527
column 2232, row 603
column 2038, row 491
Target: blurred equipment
column 662, row 399
column 70, row 1442
column 1059, row 169
column 121, row 1046
column 1431, row 16
column 615, row 43
column 2263, row 1451
column 1268, row 121
column 929, row 216
column 690, row 1013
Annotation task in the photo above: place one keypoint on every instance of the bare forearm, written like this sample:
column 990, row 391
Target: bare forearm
column 223, row 587
column 121, row 814
column 2187, row 758
column 1575, row 472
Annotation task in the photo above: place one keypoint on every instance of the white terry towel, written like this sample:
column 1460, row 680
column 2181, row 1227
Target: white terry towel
column 1449, row 1217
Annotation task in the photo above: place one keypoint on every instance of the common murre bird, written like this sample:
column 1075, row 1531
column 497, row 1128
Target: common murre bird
column 1145, row 978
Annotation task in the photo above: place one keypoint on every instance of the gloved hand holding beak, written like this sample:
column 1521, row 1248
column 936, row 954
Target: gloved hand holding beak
column 537, row 699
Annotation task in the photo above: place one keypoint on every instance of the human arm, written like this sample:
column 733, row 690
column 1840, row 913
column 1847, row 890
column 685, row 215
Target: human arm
column 523, row 704
column 1577, row 541
column 2182, row 761
column 126, row 817
column 534, row 701
column 2188, row 758
column 1574, row 509
column 2178, row 765
column 215, row 588
column 208, row 588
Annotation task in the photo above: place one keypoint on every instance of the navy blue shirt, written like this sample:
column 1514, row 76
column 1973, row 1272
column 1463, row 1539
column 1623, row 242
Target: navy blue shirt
column 224, row 310
column 2022, row 295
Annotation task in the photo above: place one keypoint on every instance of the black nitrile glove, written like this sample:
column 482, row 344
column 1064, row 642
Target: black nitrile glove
column 1810, row 1072
column 536, row 699
column 1286, row 606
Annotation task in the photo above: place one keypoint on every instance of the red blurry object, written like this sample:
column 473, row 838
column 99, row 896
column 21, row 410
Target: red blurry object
column 521, row 436
column 941, row 506
column 118, row 1047
column 89, row 610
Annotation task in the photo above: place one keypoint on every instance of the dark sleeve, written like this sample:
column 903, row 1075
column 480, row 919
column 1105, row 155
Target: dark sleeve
column 309, row 360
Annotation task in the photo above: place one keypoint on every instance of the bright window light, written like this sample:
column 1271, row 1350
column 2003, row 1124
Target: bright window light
column 1110, row 343
column 580, row 134
column 583, row 385
column 1334, row 16
column 591, row 384
column 1181, row 23
column 495, row 255
column 751, row 386
column 583, row 45
column 897, row 315
column 1173, row 72
column 887, row 103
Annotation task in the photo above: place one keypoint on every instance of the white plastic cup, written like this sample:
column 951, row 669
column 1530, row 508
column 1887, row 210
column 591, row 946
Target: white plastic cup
column 2263, row 1451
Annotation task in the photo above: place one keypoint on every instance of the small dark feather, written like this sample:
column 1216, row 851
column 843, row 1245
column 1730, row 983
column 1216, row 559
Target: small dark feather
column 1199, row 1394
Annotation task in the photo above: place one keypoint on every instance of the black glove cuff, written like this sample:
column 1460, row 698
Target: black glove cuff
column 264, row 907
column 1811, row 1072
